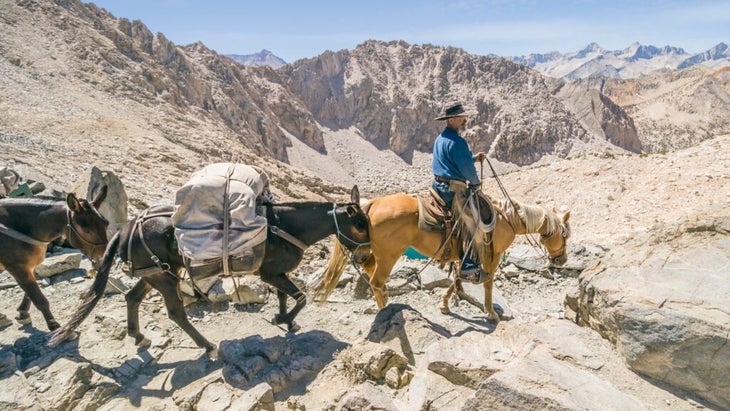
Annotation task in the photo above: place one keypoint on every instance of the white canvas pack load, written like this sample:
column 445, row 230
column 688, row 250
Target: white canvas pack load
column 220, row 225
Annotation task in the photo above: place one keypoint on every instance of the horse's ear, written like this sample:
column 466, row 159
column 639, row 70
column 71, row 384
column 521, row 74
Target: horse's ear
column 355, row 195
column 73, row 203
column 100, row 196
column 566, row 216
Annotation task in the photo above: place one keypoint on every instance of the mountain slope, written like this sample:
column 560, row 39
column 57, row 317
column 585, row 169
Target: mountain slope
column 107, row 91
column 81, row 87
column 391, row 92
column 675, row 110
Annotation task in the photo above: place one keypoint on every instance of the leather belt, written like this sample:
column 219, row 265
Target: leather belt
column 443, row 179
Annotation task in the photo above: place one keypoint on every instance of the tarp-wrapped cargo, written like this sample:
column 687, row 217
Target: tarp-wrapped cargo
column 218, row 217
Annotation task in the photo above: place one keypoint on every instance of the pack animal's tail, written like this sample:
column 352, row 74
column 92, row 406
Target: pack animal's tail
column 335, row 266
column 92, row 296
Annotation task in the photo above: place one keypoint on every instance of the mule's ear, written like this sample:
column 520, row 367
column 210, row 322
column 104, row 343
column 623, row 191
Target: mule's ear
column 355, row 195
column 73, row 203
column 100, row 196
column 566, row 216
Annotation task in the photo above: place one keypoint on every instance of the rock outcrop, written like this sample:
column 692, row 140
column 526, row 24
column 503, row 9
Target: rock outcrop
column 662, row 300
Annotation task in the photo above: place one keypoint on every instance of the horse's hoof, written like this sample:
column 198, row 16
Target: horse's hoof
column 444, row 309
column 70, row 336
column 294, row 327
column 143, row 344
column 24, row 319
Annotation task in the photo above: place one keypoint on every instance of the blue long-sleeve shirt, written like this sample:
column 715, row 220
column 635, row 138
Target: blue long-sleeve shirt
column 452, row 157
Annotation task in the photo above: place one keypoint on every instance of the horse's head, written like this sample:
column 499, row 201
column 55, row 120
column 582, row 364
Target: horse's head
column 556, row 242
column 353, row 230
column 86, row 226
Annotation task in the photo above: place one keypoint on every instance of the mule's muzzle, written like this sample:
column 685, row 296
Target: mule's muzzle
column 361, row 254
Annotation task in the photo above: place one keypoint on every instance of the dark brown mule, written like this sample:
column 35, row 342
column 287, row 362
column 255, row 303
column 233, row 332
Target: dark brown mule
column 27, row 225
column 306, row 222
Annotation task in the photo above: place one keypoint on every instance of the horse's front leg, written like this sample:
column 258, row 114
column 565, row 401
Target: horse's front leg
column 379, row 271
column 444, row 306
column 488, row 305
column 26, row 280
column 134, row 298
column 286, row 288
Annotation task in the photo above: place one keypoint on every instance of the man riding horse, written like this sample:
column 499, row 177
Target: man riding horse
column 455, row 178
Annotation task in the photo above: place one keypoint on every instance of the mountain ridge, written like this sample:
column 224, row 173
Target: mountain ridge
column 631, row 62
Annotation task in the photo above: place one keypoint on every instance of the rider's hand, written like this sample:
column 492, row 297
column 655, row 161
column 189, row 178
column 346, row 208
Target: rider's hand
column 480, row 156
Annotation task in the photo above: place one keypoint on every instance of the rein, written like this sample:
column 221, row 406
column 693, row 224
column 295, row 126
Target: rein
column 530, row 239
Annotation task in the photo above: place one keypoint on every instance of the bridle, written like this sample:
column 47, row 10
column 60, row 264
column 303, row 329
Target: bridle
column 545, row 237
column 84, row 241
column 341, row 236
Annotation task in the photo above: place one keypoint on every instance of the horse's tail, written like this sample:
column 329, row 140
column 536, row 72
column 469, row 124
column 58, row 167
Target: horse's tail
column 92, row 296
column 328, row 281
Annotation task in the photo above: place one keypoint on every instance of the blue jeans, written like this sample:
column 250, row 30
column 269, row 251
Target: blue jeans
column 442, row 187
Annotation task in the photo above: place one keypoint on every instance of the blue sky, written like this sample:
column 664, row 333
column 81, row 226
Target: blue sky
column 306, row 28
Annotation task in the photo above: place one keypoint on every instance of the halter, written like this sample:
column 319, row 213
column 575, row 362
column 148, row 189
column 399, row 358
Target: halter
column 340, row 235
column 563, row 233
column 72, row 230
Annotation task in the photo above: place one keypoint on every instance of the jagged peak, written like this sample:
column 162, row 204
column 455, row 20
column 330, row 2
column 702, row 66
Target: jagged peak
column 585, row 51
column 718, row 48
column 592, row 46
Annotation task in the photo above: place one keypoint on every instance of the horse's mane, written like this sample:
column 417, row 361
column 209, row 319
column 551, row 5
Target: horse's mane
column 535, row 216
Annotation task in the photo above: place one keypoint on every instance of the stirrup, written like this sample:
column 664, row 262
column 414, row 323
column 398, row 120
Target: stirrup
column 471, row 271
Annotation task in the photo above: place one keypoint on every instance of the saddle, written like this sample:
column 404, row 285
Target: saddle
column 435, row 215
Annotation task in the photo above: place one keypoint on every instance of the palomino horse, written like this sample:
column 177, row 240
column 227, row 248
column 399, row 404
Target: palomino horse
column 292, row 228
column 394, row 228
column 27, row 225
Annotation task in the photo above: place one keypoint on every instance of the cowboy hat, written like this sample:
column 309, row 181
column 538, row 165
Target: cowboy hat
column 454, row 110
